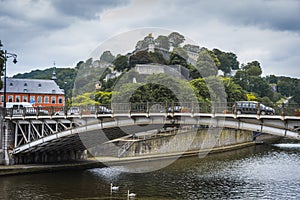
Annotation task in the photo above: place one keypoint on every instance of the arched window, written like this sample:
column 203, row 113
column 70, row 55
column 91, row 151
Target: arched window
column 46, row 99
column 53, row 100
column 39, row 99
column 25, row 84
column 25, row 98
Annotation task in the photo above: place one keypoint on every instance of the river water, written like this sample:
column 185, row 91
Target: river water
column 259, row 172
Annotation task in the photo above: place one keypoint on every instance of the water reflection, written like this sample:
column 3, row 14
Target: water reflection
column 260, row 172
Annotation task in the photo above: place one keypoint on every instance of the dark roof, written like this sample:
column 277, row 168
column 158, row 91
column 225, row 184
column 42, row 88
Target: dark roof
column 32, row 86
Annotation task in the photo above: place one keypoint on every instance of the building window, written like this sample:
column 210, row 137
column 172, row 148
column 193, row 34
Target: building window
column 11, row 84
column 25, row 98
column 25, row 84
column 18, row 98
column 39, row 99
column 46, row 99
column 32, row 100
column 25, row 90
column 2, row 98
column 40, row 85
column 60, row 100
column 53, row 100
column 53, row 91
column 10, row 98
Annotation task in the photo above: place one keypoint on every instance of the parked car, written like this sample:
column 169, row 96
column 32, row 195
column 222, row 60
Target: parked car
column 270, row 111
column 103, row 110
column 73, row 111
column 174, row 109
column 20, row 108
column 251, row 107
column 178, row 109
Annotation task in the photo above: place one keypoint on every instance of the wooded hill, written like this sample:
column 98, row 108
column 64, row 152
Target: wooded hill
column 246, row 83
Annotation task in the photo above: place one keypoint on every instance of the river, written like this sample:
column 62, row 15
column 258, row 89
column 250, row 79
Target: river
column 258, row 172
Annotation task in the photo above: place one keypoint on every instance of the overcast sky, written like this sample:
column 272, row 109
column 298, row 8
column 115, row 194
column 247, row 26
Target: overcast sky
column 67, row 31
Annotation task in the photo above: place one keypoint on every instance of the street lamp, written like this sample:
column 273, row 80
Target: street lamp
column 5, row 124
column 6, row 56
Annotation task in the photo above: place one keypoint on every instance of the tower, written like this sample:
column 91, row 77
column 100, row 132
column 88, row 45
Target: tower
column 54, row 73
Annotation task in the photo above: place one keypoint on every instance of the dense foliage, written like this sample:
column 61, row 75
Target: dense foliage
column 91, row 83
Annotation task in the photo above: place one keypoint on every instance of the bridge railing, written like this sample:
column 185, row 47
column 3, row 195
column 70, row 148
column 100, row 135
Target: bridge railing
column 292, row 109
column 144, row 107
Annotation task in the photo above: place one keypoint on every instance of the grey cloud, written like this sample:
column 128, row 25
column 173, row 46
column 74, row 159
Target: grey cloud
column 85, row 8
column 277, row 15
column 27, row 20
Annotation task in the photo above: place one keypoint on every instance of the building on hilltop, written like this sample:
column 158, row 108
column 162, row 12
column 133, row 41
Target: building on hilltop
column 176, row 71
column 36, row 91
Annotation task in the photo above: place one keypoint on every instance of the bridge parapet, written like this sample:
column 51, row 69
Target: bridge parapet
column 131, row 108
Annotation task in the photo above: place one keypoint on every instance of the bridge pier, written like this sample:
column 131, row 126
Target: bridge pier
column 6, row 140
column 50, row 157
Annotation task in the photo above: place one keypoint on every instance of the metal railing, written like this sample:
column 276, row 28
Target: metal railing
column 143, row 107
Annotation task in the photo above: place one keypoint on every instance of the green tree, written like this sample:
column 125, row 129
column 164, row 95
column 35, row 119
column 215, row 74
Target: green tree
column 156, row 88
column 178, row 57
column 84, row 99
column 157, row 57
column 285, row 87
column 200, row 87
column 297, row 93
column 241, row 78
column 214, row 58
column 103, row 97
column 233, row 91
column 141, row 57
column 266, row 101
column 175, row 39
column 206, row 65
column 253, row 68
column 162, row 42
column 228, row 61
column 79, row 65
column 251, row 97
column 107, row 57
column 121, row 63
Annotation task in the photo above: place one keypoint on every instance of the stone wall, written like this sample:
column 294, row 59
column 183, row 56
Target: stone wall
column 204, row 139
column 50, row 157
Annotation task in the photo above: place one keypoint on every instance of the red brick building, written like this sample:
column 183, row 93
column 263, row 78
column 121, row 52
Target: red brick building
column 36, row 91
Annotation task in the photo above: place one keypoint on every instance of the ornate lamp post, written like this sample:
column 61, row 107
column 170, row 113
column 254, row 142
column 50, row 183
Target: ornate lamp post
column 6, row 56
column 5, row 125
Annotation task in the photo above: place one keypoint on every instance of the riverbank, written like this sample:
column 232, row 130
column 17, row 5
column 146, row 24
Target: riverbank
column 36, row 168
column 100, row 162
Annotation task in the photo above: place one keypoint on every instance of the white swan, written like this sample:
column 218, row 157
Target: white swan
column 130, row 195
column 113, row 188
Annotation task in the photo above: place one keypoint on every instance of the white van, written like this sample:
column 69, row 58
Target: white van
column 18, row 108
